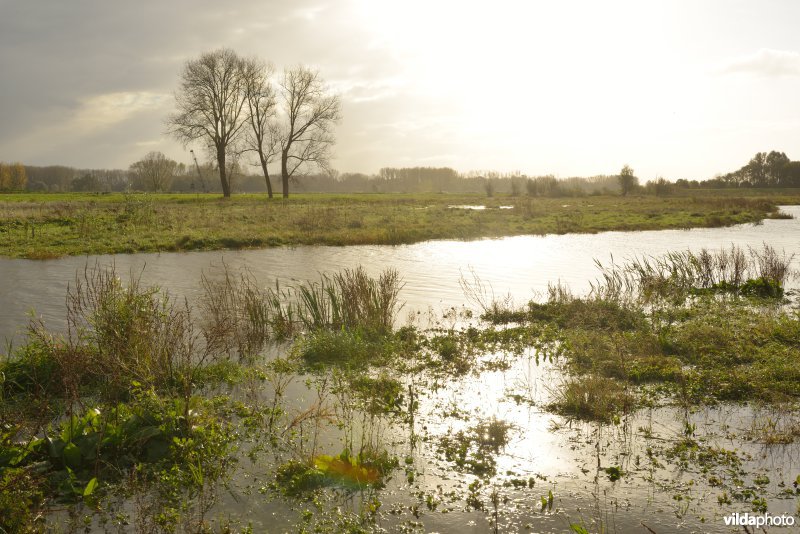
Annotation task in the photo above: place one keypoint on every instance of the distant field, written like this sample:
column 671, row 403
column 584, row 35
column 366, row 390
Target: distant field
column 44, row 225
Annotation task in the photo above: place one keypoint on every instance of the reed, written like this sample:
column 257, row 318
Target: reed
column 761, row 272
column 593, row 398
column 248, row 316
column 119, row 336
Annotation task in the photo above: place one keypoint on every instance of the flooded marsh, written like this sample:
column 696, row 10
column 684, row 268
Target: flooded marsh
column 661, row 394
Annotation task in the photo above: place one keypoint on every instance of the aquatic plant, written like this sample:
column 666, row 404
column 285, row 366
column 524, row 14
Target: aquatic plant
column 295, row 478
column 593, row 398
column 474, row 450
column 248, row 316
column 758, row 272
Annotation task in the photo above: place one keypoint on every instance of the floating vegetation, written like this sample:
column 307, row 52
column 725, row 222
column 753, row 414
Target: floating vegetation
column 344, row 471
column 347, row 470
column 614, row 473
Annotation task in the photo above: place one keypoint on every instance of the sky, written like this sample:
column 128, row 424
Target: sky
column 675, row 89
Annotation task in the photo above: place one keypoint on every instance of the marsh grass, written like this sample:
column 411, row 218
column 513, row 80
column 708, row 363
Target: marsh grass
column 52, row 225
column 237, row 312
column 349, row 305
column 774, row 424
column 118, row 335
column 324, row 347
column 591, row 397
column 699, row 327
column 482, row 295
column 127, row 334
column 124, row 378
column 350, row 299
column 757, row 272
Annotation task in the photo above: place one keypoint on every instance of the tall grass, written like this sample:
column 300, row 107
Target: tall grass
column 120, row 336
column 130, row 332
column 250, row 316
column 235, row 313
column 678, row 274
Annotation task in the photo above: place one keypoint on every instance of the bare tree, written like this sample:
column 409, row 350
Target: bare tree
column 210, row 103
column 263, row 134
column 311, row 113
column 153, row 172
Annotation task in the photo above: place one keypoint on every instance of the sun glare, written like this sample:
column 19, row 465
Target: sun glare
column 525, row 82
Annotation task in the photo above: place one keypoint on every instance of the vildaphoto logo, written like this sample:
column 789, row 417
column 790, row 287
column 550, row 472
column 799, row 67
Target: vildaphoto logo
column 758, row 520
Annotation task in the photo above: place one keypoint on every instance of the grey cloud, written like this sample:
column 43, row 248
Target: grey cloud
column 55, row 56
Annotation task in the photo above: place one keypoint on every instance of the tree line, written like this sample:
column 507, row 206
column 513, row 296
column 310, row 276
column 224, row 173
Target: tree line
column 773, row 169
column 155, row 172
column 151, row 173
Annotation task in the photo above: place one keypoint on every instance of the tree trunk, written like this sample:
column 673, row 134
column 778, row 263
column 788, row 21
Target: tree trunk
column 223, row 178
column 266, row 174
column 285, row 172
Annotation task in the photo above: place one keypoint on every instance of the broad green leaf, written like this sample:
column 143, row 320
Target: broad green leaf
column 90, row 487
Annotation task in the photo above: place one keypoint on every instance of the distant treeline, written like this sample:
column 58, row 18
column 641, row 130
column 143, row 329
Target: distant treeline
column 773, row 169
column 388, row 180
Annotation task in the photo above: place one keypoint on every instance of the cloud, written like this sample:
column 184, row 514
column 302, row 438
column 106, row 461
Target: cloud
column 108, row 109
column 109, row 121
column 766, row 62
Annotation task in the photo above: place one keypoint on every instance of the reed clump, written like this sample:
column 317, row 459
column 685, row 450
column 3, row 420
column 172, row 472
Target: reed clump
column 250, row 316
column 591, row 397
column 755, row 272
column 117, row 335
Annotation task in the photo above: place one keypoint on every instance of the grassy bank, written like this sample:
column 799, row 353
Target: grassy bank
column 43, row 226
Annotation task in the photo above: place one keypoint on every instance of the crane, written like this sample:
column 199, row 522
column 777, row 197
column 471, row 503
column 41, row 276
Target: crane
column 199, row 174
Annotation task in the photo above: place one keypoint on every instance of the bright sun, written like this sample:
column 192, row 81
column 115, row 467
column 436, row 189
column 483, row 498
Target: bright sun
column 542, row 77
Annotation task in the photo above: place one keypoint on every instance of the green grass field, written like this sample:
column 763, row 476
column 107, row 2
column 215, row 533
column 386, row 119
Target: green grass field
column 43, row 225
